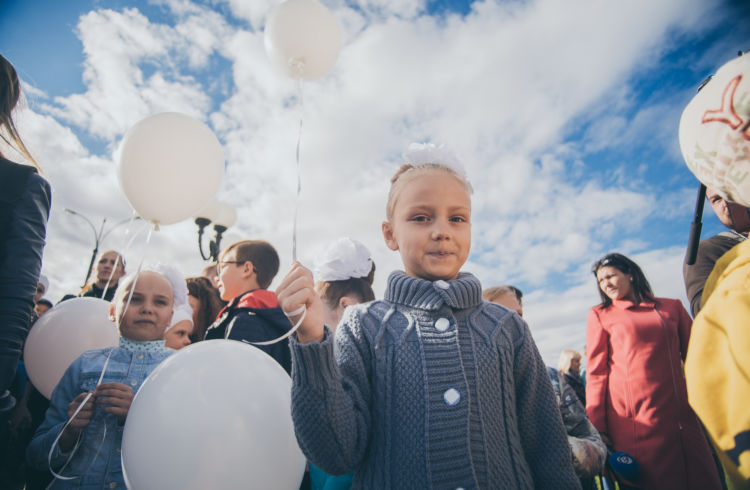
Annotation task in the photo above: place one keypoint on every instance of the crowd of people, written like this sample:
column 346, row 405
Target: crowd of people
column 439, row 384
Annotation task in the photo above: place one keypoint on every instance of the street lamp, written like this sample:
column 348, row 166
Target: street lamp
column 223, row 216
column 99, row 236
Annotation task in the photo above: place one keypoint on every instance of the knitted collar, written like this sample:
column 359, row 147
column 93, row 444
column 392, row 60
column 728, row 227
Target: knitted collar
column 464, row 292
column 150, row 346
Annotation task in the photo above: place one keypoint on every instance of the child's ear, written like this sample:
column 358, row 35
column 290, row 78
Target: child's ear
column 346, row 301
column 248, row 270
column 111, row 312
column 390, row 239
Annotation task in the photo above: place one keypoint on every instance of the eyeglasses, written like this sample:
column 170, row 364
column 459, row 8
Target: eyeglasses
column 221, row 265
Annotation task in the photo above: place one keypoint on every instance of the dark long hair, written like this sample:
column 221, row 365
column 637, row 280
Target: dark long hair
column 211, row 304
column 640, row 285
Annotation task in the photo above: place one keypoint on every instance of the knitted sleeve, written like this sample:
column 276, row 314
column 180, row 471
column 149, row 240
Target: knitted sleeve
column 540, row 426
column 597, row 371
column 331, row 397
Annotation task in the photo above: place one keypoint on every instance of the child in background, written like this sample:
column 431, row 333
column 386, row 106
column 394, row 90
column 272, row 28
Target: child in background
column 97, row 429
column 431, row 387
column 204, row 299
column 345, row 273
column 177, row 334
column 245, row 270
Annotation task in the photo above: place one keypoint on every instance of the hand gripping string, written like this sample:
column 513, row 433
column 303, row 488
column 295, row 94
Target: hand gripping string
column 80, row 434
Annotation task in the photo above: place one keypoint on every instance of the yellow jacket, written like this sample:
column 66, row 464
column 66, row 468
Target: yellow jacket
column 718, row 362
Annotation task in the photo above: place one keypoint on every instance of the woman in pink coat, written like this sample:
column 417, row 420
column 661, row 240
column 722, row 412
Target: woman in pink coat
column 635, row 388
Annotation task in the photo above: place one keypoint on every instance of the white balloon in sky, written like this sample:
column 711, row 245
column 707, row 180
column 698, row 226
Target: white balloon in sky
column 171, row 166
column 303, row 39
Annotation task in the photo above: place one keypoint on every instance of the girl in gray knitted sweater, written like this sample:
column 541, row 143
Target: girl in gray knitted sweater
column 430, row 387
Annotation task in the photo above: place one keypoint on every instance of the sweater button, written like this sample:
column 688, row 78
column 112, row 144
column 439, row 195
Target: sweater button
column 139, row 356
column 113, row 485
column 451, row 397
column 442, row 284
column 442, row 324
column 133, row 382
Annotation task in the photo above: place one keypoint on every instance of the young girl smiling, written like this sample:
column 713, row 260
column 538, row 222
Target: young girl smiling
column 87, row 454
column 431, row 387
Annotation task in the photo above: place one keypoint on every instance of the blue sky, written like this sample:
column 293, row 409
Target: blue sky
column 565, row 116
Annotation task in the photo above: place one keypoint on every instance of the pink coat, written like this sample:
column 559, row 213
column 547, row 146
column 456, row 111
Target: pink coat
column 636, row 392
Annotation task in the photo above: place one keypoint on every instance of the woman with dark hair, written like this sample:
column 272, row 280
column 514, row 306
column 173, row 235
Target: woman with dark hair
column 24, row 209
column 204, row 298
column 636, row 395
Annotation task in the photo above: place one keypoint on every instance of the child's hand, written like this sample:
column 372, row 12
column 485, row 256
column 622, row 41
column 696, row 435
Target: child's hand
column 296, row 290
column 114, row 398
column 78, row 424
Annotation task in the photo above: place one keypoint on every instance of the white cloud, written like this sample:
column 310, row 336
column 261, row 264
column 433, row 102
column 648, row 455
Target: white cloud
column 502, row 86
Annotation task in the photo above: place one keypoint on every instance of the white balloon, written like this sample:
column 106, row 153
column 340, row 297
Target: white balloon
column 715, row 131
column 217, row 414
column 64, row 333
column 171, row 165
column 227, row 215
column 303, row 39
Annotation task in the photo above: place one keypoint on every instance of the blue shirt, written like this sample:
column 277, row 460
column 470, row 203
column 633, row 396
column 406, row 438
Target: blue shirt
column 96, row 462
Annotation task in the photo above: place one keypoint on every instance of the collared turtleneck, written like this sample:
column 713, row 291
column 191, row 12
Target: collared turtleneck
column 461, row 293
column 151, row 346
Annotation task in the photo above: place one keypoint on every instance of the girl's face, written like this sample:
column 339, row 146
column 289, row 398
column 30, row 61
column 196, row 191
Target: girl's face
column 178, row 336
column 431, row 226
column 150, row 310
column 615, row 283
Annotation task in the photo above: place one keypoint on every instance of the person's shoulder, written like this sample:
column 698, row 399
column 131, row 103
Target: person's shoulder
column 258, row 299
column 668, row 303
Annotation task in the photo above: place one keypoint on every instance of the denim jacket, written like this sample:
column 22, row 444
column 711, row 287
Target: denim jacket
column 96, row 463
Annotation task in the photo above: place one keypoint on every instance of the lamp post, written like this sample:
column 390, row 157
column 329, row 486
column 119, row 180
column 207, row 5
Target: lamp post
column 99, row 236
column 223, row 216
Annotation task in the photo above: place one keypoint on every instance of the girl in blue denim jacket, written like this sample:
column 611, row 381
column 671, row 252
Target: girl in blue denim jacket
column 87, row 454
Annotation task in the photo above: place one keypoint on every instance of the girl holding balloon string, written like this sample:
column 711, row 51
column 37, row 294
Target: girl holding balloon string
column 344, row 276
column 430, row 387
column 86, row 451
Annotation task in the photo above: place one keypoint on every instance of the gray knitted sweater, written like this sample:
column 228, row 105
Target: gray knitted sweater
column 430, row 388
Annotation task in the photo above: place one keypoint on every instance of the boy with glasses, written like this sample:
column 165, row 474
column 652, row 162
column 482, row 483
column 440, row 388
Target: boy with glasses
column 245, row 269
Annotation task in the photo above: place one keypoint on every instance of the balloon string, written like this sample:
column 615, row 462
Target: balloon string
column 119, row 257
column 299, row 177
column 78, row 440
column 302, row 310
column 137, row 274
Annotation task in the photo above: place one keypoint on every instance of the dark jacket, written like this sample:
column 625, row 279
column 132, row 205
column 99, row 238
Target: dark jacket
column 96, row 292
column 709, row 251
column 255, row 316
column 24, row 209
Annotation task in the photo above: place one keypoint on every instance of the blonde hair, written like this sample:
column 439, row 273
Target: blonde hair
column 408, row 172
column 566, row 356
column 491, row 294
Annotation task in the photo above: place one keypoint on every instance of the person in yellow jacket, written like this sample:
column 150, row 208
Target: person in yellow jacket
column 718, row 362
